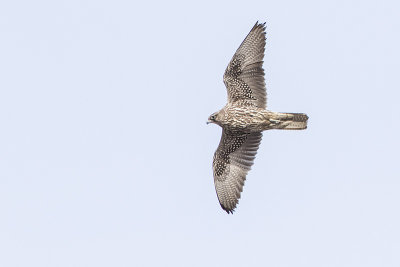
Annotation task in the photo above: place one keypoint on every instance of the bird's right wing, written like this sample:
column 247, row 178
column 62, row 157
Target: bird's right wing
column 244, row 76
column 232, row 160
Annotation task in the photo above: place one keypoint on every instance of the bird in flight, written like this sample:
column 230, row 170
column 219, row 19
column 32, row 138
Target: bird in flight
column 244, row 118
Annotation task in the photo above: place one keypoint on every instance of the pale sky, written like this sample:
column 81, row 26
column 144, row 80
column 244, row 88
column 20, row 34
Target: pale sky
column 105, row 155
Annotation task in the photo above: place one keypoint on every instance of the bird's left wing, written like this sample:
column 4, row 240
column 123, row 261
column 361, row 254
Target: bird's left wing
column 244, row 76
column 232, row 160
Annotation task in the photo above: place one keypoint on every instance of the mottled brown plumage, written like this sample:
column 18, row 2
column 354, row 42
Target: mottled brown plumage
column 244, row 118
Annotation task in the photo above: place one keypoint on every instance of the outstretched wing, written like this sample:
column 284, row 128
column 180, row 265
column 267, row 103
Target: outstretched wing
column 244, row 76
column 232, row 160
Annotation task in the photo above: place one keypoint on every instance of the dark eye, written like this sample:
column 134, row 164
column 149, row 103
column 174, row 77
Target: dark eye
column 213, row 117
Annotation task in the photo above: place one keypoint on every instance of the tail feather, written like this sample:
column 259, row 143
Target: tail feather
column 291, row 121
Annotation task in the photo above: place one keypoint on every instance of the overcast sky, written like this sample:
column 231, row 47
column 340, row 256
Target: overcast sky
column 105, row 155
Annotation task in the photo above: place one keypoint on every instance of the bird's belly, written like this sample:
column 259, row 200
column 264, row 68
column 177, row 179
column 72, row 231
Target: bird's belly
column 246, row 120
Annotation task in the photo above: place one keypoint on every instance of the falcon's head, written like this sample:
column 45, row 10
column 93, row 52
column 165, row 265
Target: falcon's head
column 213, row 118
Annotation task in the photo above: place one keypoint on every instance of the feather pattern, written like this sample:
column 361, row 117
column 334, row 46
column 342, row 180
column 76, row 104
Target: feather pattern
column 244, row 76
column 232, row 160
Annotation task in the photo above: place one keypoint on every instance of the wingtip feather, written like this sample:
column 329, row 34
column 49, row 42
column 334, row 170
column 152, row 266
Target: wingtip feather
column 227, row 210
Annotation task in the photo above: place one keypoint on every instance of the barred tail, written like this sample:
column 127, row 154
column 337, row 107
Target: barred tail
column 291, row 121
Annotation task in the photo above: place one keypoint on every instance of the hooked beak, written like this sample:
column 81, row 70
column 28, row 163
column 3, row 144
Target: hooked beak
column 208, row 122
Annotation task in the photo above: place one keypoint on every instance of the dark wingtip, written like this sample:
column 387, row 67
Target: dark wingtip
column 259, row 26
column 262, row 24
column 227, row 209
